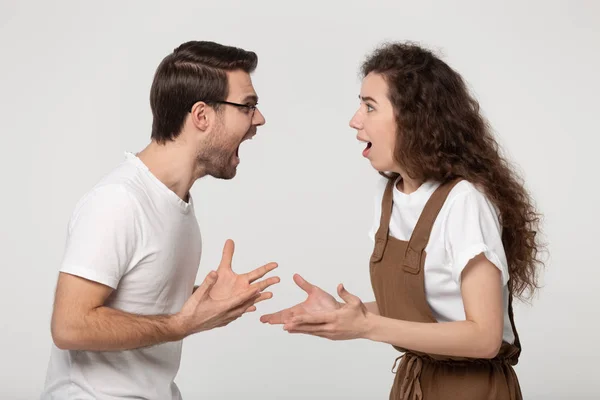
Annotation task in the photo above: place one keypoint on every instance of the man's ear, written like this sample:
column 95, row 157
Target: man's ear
column 201, row 115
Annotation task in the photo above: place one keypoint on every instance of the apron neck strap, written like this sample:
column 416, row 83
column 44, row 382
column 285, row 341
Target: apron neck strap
column 420, row 236
column 381, row 237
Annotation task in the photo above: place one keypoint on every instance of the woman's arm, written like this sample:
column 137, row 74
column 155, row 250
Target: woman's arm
column 479, row 335
column 372, row 307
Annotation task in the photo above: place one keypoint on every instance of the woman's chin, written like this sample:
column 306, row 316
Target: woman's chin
column 379, row 167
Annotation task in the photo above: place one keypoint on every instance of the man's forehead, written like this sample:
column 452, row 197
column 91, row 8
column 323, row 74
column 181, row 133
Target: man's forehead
column 240, row 86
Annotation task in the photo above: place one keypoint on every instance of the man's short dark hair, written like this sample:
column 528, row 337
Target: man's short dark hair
column 195, row 71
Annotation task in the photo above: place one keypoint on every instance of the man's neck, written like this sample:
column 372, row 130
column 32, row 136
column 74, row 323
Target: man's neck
column 173, row 165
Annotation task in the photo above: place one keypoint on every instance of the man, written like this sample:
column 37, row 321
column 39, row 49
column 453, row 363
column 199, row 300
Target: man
column 125, row 296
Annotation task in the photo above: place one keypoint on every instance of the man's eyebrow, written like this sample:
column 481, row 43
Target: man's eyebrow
column 367, row 98
column 252, row 98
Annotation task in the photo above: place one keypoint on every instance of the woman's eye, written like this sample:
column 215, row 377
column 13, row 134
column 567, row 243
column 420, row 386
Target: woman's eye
column 369, row 108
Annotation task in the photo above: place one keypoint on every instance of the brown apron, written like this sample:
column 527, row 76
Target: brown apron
column 398, row 281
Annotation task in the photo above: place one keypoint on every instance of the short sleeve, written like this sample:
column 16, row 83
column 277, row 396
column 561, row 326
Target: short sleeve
column 102, row 236
column 473, row 227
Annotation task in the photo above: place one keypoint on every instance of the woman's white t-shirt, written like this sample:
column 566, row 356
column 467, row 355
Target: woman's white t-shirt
column 466, row 226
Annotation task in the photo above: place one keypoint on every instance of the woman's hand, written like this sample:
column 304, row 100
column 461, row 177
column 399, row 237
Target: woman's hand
column 317, row 300
column 350, row 321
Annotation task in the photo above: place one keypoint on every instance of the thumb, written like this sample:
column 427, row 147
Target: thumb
column 304, row 285
column 206, row 285
column 227, row 256
column 347, row 296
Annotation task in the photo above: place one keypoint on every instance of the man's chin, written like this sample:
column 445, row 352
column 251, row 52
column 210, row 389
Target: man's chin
column 226, row 171
column 225, row 174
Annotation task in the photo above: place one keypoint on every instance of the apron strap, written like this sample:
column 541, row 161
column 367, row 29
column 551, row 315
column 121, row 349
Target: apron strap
column 420, row 236
column 381, row 237
column 410, row 387
column 512, row 320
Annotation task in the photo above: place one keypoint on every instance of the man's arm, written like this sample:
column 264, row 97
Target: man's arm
column 103, row 237
column 80, row 320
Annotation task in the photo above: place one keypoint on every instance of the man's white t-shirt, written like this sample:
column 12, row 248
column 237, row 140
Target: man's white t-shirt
column 132, row 233
column 466, row 226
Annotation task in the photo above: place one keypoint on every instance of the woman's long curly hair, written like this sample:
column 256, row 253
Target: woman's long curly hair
column 442, row 135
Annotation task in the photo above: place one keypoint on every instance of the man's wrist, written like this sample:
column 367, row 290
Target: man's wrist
column 177, row 327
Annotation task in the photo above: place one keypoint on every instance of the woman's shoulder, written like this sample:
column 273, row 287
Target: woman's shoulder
column 468, row 201
column 466, row 190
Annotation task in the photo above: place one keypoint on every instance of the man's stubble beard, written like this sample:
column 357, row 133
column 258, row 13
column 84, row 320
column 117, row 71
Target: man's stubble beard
column 216, row 157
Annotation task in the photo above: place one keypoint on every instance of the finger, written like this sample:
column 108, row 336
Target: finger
column 320, row 318
column 347, row 296
column 262, row 285
column 204, row 288
column 278, row 317
column 227, row 256
column 264, row 296
column 306, row 328
column 238, row 311
column 268, row 318
column 304, row 285
column 251, row 309
column 260, row 272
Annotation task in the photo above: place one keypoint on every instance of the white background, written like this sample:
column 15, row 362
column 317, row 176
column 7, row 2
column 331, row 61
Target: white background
column 74, row 88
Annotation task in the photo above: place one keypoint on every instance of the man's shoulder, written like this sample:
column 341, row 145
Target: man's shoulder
column 117, row 189
column 106, row 197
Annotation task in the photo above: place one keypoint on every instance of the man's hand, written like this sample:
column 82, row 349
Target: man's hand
column 224, row 296
column 317, row 301
column 201, row 312
column 229, row 283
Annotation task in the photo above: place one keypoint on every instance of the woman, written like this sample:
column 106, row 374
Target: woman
column 454, row 233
